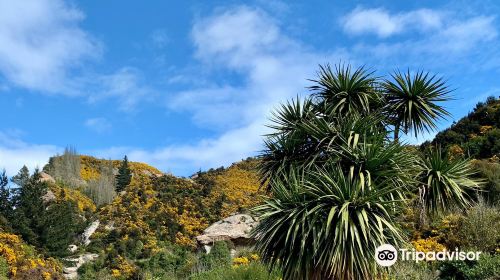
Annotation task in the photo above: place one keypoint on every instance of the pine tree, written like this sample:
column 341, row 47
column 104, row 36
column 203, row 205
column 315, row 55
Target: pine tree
column 22, row 177
column 60, row 226
column 29, row 206
column 5, row 202
column 124, row 176
column 4, row 194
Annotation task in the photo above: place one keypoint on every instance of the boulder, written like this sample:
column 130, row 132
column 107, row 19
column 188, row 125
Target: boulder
column 110, row 226
column 72, row 248
column 44, row 177
column 87, row 233
column 235, row 228
column 48, row 196
column 71, row 272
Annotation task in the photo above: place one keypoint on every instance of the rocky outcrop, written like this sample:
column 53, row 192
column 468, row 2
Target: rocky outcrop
column 72, row 248
column 44, row 177
column 71, row 272
column 235, row 228
column 48, row 196
column 87, row 233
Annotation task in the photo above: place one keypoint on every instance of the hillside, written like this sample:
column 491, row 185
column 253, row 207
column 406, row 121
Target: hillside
column 155, row 215
column 149, row 228
column 477, row 134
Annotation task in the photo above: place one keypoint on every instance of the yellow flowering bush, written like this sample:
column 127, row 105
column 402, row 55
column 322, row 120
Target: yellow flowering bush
column 428, row 245
column 124, row 269
column 23, row 264
column 241, row 261
column 83, row 203
column 239, row 188
column 455, row 151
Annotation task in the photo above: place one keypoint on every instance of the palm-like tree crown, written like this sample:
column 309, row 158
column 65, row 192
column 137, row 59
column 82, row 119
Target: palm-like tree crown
column 444, row 182
column 326, row 225
column 411, row 101
column 344, row 90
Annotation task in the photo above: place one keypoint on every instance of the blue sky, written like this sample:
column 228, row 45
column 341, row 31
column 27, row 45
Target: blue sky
column 188, row 85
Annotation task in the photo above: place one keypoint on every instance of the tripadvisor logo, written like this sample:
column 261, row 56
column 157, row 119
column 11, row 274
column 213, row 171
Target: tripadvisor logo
column 387, row 255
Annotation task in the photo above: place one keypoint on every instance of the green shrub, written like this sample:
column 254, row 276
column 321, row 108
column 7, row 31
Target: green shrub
column 491, row 172
column 411, row 271
column 254, row 271
column 4, row 269
column 487, row 268
column 480, row 228
column 171, row 263
column 219, row 256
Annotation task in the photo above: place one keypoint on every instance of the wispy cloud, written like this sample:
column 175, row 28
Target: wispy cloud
column 272, row 67
column 14, row 153
column 99, row 125
column 160, row 38
column 438, row 31
column 384, row 24
column 125, row 85
column 39, row 49
column 47, row 51
column 442, row 38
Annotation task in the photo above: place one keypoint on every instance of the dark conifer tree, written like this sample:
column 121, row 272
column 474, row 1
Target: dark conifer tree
column 61, row 226
column 22, row 177
column 124, row 176
column 5, row 202
column 5, row 206
column 29, row 210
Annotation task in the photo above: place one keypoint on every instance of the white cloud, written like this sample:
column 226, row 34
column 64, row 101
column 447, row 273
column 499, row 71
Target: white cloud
column 273, row 67
column 384, row 24
column 463, row 35
column 14, row 153
column 41, row 43
column 98, row 124
column 126, row 85
column 186, row 159
column 160, row 38
column 450, row 38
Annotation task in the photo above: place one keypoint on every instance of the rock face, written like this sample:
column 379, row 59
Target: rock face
column 71, row 272
column 72, row 248
column 48, row 196
column 44, row 177
column 87, row 233
column 235, row 228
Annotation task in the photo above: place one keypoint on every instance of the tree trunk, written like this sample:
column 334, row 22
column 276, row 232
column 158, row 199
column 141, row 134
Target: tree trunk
column 396, row 133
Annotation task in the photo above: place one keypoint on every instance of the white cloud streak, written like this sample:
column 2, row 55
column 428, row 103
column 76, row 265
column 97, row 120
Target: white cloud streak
column 125, row 85
column 41, row 43
column 273, row 67
column 99, row 125
column 14, row 153
column 380, row 22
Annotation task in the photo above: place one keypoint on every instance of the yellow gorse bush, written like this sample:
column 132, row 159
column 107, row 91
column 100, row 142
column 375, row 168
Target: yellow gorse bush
column 428, row 245
column 21, row 260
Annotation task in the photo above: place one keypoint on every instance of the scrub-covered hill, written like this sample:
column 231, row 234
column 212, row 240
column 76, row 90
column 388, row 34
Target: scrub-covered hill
column 150, row 223
column 477, row 135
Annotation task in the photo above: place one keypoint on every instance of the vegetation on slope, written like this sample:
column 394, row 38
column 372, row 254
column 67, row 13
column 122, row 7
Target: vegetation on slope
column 147, row 230
column 339, row 182
column 478, row 134
column 23, row 262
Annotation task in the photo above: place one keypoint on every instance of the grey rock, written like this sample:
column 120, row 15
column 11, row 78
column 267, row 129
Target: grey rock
column 235, row 228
